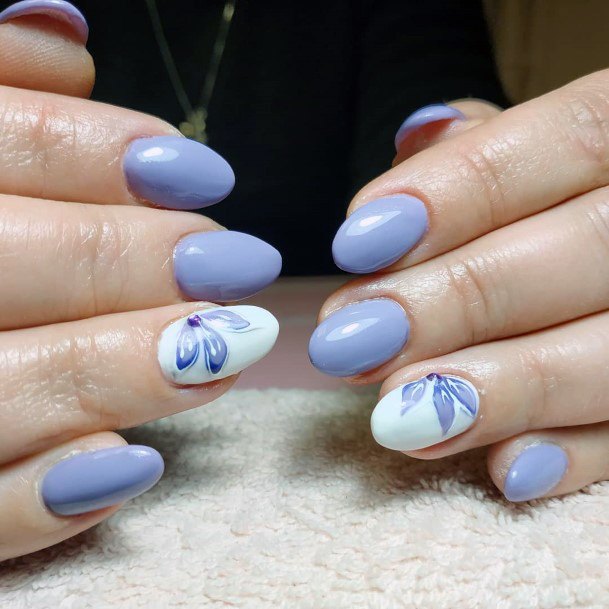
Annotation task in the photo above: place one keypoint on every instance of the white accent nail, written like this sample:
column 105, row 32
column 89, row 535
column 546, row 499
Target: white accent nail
column 214, row 343
column 425, row 412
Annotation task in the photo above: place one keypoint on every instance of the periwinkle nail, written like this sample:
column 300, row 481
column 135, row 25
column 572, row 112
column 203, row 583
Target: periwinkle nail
column 379, row 233
column 424, row 116
column 535, row 472
column 359, row 337
column 94, row 480
column 224, row 265
column 56, row 9
column 177, row 173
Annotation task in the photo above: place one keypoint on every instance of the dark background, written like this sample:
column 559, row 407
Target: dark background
column 308, row 97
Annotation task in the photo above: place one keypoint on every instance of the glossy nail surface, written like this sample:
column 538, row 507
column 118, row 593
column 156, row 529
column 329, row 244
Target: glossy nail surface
column 221, row 266
column 535, row 472
column 425, row 412
column 56, row 9
column 424, row 116
column 359, row 337
column 214, row 343
column 95, row 480
column 176, row 172
column 379, row 233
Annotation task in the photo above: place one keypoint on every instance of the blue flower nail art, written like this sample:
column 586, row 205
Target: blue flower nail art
column 450, row 396
column 200, row 335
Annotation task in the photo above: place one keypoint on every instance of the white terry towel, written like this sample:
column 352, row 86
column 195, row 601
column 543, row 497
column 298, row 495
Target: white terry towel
column 280, row 498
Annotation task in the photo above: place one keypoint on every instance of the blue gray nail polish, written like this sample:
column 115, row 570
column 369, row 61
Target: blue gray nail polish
column 424, row 116
column 177, row 173
column 359, row 337
column 535, row 472
column 221, row 266
column 379, row 233
column 94, row 480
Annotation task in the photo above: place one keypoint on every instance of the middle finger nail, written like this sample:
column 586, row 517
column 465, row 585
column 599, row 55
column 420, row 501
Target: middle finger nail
column 359, row 337
column 221, row 266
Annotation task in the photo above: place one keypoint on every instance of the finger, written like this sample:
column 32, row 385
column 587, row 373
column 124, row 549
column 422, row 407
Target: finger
column 551, row 462
column 68, row 149
column 485, row 394
column 116, row 371
column 56, row 494
column 108, row 259
column 438, row 122
column 523, row 277
column 42, row 48
column 523, row 161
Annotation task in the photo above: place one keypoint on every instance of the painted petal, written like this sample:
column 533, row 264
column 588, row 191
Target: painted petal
column 445, row 406
column 215, row 349
column 464, row 393
column 226, row 320
column 187, row 350
column 411, row 394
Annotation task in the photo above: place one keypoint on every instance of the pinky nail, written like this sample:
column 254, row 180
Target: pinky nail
column 535, row 472
column 98, row 479
column 215, row 343
column 56, row 9
column 425, row 116
column 425, row 412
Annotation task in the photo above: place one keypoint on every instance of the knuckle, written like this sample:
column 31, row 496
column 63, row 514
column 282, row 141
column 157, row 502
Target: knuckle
column 99, row 248
column 539, row 401
column 482, row 299
column 486, row 167
column 597, row 216
column 586, row 110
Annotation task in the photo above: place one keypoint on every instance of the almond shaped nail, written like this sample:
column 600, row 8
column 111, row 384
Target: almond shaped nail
column 97, row 479
column 177, row 173
column 215, row 343
column 425, row 412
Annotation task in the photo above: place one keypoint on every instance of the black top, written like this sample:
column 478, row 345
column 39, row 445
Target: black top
column 308, row 97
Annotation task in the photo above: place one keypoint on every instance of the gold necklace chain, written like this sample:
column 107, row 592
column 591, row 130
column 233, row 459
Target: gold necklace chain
column 195, row 125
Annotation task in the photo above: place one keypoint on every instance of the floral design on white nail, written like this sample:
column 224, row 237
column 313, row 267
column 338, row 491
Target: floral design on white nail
column 425, row 412
column 216, row 343
column 200, row 334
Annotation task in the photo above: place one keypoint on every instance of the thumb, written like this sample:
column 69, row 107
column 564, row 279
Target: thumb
column 42, row 47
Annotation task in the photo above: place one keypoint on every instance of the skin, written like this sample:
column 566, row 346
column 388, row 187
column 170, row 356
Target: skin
column 509, row 288
column 87, row 278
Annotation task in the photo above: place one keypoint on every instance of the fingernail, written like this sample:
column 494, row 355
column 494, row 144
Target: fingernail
column 177, row 173
column 379, row 233
column 56, row 9
column 214, row 343
column 535, row 472
column 425, row 412
column 424, row 116
column 359, row 337
column 222, row 266
column 98, row 479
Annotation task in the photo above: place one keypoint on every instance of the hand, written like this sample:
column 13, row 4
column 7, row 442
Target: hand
column 97, row 331
column 486, row 317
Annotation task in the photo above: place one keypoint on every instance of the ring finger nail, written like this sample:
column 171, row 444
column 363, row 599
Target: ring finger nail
column 176, row 172
column 221, row 266
column 425, row 116
column 214, row 343
column 535, row 472
column 95, row 480
column 379, row 233
column 57, row 9
column 425, row 412
column 359, row 337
